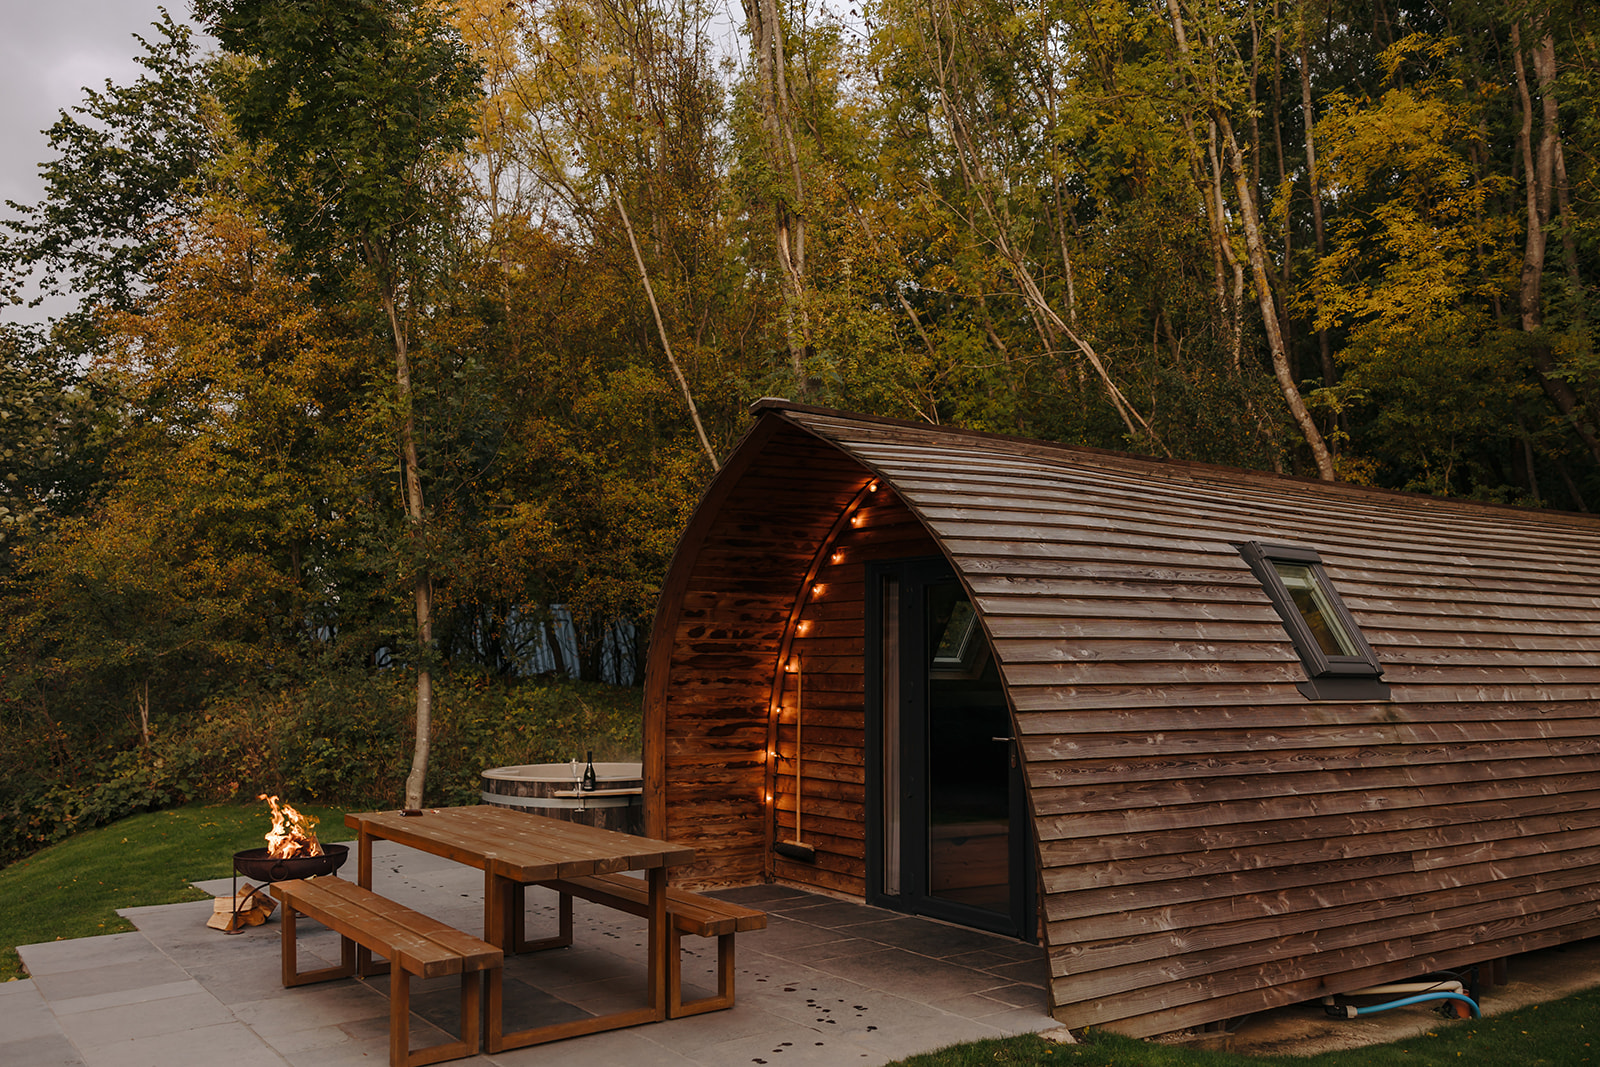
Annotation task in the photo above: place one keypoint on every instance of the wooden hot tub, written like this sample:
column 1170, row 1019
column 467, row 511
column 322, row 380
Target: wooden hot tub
column 554, row 790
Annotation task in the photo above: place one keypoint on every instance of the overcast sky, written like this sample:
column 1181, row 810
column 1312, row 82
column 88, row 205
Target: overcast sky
column 50, row 50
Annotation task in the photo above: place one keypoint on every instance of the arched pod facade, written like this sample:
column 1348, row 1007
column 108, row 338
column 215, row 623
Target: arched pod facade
column 1213, row 826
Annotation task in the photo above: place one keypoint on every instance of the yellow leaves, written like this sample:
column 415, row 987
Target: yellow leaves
column 1412, row 236
column 1440, row 50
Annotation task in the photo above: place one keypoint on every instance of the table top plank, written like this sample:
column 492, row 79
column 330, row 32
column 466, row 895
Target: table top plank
column 518, row 845
column 478, row 846
column 641, row 852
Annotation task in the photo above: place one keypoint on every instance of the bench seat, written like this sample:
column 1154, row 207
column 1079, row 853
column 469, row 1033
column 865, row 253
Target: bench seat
column 687, row 913
column 413, row 943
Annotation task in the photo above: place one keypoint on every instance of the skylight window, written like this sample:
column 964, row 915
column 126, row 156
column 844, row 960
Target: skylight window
column 1340, row 663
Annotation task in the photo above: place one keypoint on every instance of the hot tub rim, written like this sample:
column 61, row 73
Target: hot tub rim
column 562, row 772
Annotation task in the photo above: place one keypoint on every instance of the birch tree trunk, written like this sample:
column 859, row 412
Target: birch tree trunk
column 1255, row 248
column 1314, row 181
column 788, row 222
column 416, row 517
column 661, row 330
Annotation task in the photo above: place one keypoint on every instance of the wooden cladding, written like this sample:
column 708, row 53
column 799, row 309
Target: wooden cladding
column 777, row 578
column 1211, row 841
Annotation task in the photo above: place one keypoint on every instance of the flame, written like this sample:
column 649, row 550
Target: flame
column 292, row 833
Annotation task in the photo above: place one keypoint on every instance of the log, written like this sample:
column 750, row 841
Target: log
column 249, row 906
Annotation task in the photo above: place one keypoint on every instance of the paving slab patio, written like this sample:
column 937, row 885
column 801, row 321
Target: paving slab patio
column 828, row 982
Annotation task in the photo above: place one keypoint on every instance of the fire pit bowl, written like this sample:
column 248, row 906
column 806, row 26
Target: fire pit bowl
column 255, row 863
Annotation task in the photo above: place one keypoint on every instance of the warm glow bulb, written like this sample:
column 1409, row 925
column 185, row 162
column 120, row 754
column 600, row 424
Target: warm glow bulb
column 837, row 558
column 873, row 488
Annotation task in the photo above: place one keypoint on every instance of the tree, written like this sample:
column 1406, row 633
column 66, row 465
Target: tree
column 786, row 185
column 125, row 159
column 56, row 424
column 362, row 107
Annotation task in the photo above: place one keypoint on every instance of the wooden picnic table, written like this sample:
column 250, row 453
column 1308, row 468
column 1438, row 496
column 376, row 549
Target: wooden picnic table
column 513, row 850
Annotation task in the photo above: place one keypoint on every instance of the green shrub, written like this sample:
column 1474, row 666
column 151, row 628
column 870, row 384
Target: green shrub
column 126, row 784
column 488, row 725
column 341, row 739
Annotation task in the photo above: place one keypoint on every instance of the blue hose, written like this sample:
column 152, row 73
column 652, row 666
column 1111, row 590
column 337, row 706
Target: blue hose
column 1422, row 998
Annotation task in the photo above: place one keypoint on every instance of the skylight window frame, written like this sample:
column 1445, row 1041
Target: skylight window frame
column 1356, row 676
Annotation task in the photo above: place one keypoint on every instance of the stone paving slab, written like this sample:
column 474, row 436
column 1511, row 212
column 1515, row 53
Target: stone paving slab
column 828, row 982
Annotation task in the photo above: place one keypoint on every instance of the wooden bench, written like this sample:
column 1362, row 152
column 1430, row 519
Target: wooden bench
column 689, row 913
column 413, row 944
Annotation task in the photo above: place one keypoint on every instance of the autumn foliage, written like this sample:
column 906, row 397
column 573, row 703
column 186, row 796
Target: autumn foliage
column 1329, row 239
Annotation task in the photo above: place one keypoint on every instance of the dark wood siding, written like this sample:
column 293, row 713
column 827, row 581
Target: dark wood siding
column 775, row 576
column 830, row 647
column 1211, row 842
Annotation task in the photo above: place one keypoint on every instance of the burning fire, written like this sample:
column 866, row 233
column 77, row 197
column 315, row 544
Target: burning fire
column 292, row 833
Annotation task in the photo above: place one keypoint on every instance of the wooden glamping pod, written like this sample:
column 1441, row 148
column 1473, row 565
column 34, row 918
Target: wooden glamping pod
column 1223, row 741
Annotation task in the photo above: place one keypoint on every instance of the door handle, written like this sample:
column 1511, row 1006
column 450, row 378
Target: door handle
column 1005, row 739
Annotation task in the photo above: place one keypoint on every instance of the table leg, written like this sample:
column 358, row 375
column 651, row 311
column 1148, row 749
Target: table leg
column 519, row 922
column 497, row 924
column 497, row 897
column 364, row 965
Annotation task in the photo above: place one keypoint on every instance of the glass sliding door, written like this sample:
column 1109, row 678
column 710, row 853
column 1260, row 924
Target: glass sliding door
column 951, row 837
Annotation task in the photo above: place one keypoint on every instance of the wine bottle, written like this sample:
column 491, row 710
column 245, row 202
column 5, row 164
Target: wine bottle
column 589, row 779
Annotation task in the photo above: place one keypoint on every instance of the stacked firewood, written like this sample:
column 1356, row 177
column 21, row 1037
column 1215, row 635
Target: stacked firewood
column 250, row 906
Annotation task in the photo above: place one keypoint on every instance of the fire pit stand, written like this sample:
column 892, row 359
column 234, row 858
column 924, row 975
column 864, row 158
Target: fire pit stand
column 258, row 864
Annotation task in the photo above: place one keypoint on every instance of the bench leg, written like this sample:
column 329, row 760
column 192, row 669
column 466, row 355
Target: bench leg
column 676, row 1007
column 472, row 1010
column 399, row 1017
column 493, row 1017
column 519, row 916
column 291, row 972
column 400, row 1053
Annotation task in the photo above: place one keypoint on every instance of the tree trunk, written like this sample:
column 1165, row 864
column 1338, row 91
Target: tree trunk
column 661, row 329
column 1250, row 220
column 422, row 581
column 978, row 180
column 1539, row 168
column 1314, row 181
column 789, row 223
column 141, row 696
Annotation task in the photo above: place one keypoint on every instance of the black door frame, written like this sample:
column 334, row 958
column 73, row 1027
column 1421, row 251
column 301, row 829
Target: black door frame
column 913, row 575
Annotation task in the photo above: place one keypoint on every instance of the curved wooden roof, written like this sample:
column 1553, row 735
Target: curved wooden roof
column 1210, row 841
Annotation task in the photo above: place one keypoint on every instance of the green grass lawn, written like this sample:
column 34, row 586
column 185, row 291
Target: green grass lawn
column 1564, row 1033
column 74, row 888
